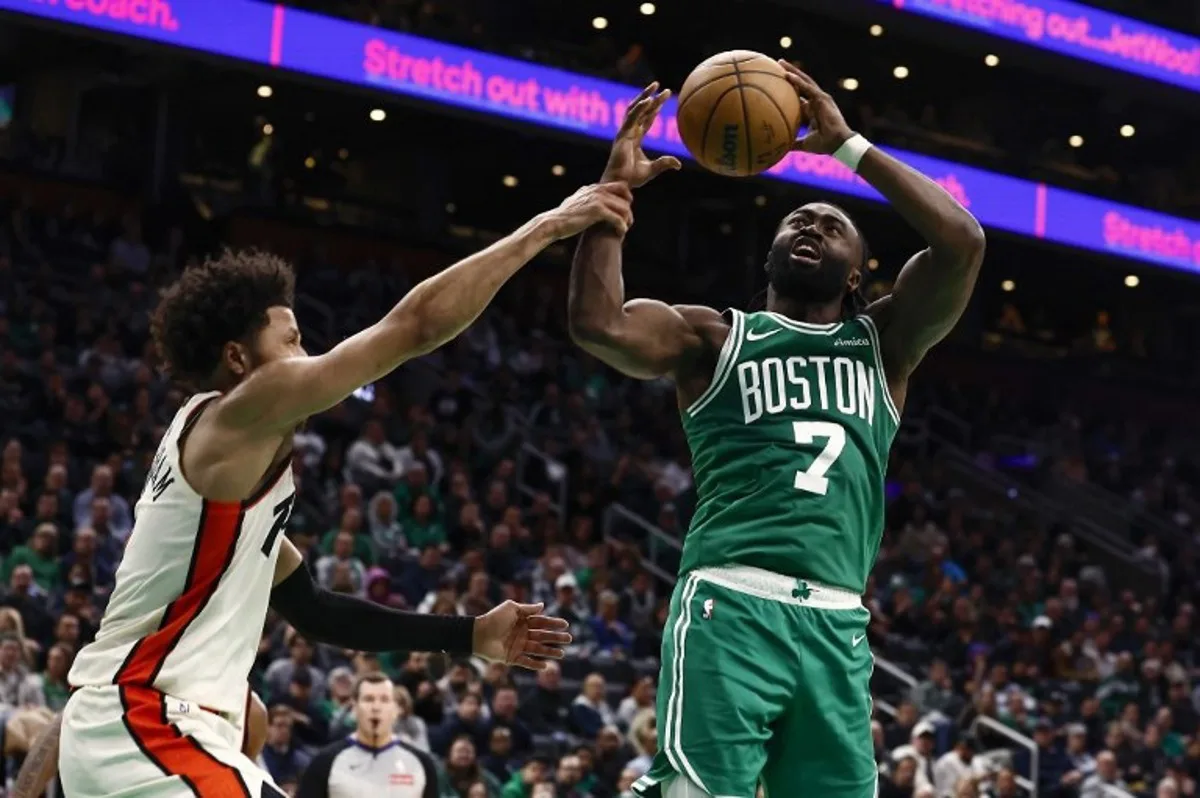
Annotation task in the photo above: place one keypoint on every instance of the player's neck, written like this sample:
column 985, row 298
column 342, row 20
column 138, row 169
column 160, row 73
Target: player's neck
column 811, row 312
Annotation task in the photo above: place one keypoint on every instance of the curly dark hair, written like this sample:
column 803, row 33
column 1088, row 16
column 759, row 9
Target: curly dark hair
column 219, row 300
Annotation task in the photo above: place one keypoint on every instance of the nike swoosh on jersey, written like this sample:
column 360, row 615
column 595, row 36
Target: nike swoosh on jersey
column 752, row 336
column 857, row 639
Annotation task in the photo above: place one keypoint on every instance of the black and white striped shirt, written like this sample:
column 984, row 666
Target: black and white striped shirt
column 350, row 769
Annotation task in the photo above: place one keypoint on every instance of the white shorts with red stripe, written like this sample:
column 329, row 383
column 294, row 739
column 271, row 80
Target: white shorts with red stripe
column 135, row 742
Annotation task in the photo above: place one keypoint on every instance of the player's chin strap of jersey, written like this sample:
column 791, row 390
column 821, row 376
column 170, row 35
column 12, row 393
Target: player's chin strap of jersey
column 354, row 623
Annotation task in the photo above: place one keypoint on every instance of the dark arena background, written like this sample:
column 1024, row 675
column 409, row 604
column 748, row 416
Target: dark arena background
column 1035, row 594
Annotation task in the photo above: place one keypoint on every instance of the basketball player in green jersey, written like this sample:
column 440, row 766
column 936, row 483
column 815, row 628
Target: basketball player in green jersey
column 789, row 414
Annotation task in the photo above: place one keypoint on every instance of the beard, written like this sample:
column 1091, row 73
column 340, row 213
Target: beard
column 821, row 283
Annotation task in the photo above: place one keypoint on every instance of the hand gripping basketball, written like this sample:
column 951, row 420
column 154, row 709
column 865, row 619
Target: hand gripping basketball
column 628, row 162
column 827, row 128
column 517, row 634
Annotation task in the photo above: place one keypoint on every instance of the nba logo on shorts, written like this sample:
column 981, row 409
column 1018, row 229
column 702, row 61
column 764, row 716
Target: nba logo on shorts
column 708, row 609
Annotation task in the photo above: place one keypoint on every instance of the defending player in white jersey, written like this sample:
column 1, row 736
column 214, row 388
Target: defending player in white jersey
column 157, row 701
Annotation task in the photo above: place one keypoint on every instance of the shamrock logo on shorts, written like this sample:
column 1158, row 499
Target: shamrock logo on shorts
column 801, row 591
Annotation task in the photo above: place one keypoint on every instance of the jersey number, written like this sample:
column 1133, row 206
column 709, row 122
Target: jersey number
column 283, row 511
column 813, row 478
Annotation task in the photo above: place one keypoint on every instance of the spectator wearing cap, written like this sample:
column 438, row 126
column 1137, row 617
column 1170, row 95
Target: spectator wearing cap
column 119, row 517
column 1082, row 763
column 590, row 711
column 611, row 635
column 920, row 748
column 954, row 766
column 568, row 606
column 41, row 555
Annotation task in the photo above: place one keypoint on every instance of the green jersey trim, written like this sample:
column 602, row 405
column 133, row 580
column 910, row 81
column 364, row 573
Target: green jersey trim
column 873, row 333
column 725, row 362
column 804, row 326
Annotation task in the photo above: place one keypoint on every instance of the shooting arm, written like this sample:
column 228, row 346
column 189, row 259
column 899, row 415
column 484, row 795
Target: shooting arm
column 935, row 285
column 642, row 338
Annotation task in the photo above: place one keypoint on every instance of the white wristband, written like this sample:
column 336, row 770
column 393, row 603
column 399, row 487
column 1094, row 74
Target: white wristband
column 851, row 153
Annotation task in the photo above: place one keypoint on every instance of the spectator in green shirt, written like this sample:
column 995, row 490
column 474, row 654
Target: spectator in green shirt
column 40, row 555
column 423, row 527
column 352, row 522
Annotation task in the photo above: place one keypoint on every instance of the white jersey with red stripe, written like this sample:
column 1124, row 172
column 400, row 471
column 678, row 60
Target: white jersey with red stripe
column 193, row 586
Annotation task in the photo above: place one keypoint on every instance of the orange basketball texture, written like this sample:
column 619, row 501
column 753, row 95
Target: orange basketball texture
column 738, row 115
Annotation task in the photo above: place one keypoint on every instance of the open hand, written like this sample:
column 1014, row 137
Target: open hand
column 827, row 128
column 518, row 634
column 628, row 162
column 608, row 203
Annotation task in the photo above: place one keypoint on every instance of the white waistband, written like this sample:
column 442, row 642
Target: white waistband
column 777, row 587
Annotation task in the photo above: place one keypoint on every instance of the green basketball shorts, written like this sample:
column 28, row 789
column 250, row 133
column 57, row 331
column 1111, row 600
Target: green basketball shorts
column 764, row 678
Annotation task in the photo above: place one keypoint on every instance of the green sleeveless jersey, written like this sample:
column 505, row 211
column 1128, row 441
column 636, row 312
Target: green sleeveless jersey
column 789, row 448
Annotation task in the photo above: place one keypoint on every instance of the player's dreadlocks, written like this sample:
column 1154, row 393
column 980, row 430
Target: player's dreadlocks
column 220, row 300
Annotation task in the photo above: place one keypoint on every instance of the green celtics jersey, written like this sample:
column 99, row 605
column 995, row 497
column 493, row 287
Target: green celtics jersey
column 789, row 448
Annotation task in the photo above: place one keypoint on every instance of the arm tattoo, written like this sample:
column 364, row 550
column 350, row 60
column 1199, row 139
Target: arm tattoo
column 40, row 763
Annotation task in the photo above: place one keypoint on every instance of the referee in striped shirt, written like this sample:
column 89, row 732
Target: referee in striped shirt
column 372, row 761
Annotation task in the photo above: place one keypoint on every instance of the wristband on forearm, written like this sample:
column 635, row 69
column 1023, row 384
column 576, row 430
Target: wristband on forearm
column 354, row 623
column 851, row 153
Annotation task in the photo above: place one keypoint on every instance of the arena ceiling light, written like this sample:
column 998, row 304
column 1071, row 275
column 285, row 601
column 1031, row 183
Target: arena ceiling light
column 510, row 181
column 268, row 129
column 600, row 23
column 378, row 114
column 872, row 264
column 900, row 72
column 1008, row 286
column 1132, row 281
column 1075, row 141
column 785, row 42
column 265, row 91
column 647, row 8
column 991, row 59
column 876, row 30
column 558, row 170
column 760, row 201
column 850, row 84
column 310, row 162
column 1127, row 131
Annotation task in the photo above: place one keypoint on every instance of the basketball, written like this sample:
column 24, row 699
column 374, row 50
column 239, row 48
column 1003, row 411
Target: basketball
column 738, row 115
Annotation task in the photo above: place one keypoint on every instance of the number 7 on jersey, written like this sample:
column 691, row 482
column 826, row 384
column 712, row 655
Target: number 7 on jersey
column 813, row 478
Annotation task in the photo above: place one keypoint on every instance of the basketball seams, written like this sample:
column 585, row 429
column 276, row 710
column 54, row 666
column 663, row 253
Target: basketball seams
column 711, row 113
column 685, row 98
column 745, row 120
column 786, row 124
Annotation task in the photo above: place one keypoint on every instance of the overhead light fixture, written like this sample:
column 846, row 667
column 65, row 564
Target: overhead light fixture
column 785, row 42
column 991, row 60
column 760, row 201
column 558, row 170
column 872, row 264
column 310, row 162
column 265, row 91
column 1075, row 141
column 378, row 114
column 900, row 72
column 1128, row 130
column 268, row 129
column 876, row 30
column 510, row 181
column 1132, row 281
column 600, row 23
column 849, row 84
column 647, row 9
column 1007, row 286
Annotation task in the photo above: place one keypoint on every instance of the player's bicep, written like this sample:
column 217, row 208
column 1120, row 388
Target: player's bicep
column 280, row 395
column 649, row 339
column 928, row 298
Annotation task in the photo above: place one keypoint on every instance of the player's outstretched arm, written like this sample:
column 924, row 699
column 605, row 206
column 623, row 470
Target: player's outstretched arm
column 281, row 394
column 643, row 338
column 933, row 288
column 516, row 634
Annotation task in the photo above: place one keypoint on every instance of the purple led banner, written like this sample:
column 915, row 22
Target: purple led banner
column 398, row 63
column 1078, row 31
